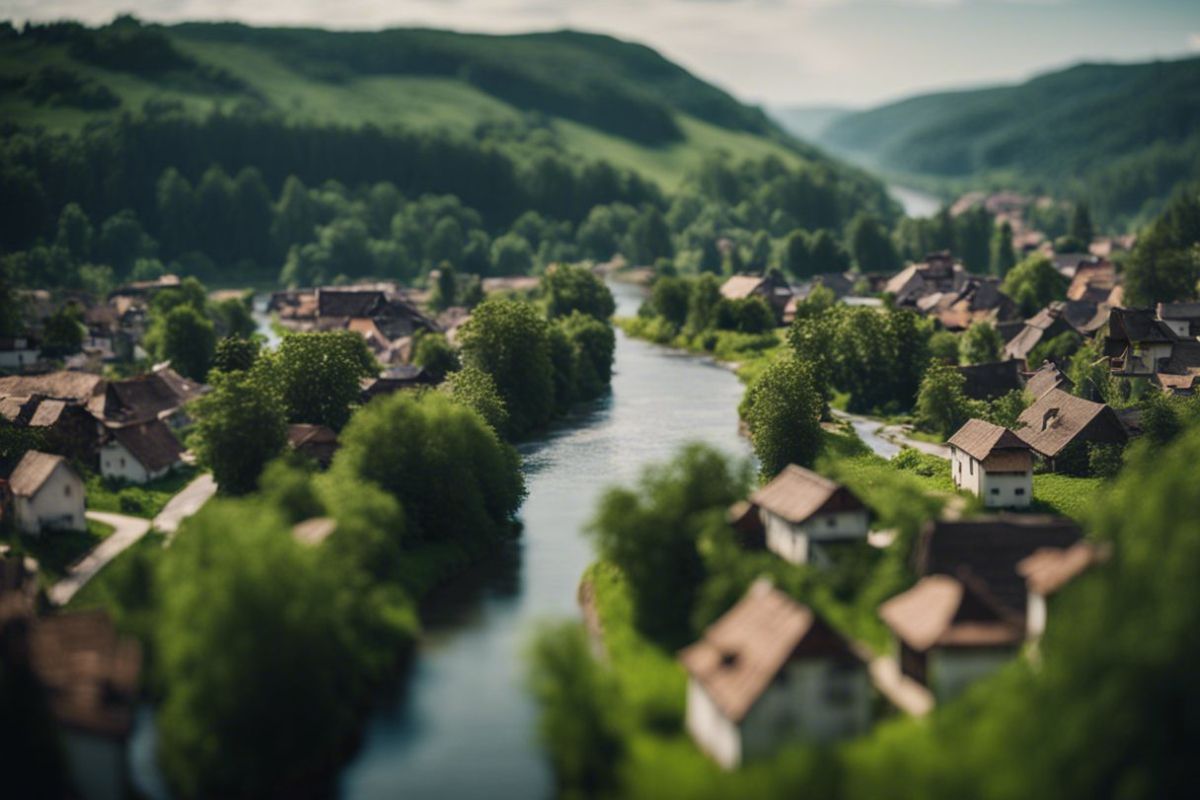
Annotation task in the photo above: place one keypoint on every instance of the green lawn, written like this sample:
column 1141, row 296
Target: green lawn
column 1067, row 495
column 56, row 551
column 137, row 501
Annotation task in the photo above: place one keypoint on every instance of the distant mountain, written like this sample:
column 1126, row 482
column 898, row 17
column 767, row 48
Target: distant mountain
column 1120, row 136
column 808, row 122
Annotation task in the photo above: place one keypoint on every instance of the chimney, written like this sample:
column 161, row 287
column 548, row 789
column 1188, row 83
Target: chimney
column 1049, row 417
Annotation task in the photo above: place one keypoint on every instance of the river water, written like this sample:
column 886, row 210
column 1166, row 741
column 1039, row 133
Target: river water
column 915, row 202
column 461, row 725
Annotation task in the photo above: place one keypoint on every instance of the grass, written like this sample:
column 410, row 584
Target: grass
column 1067, row 495
column 750, row 353
column 137, row 501
column 56, row 551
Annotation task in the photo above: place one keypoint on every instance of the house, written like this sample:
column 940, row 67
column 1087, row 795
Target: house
column 770, row 287
column 47, row 494
column 1138, row 343
column 1095, row 280
column 806, row 516
column 81, row 388
column 395, row 378
column 939, row 272
column 951, row 631
column 1057, row 421
column 313, row 441
column 160, row 394
column 991, row 380
column 18, row 352
column 1048, row 376
column 768, row 671
column 1047, row 571
column 90, row 676
column 1182, row 318
column 979, row 300
column 1043, row 326
column 993, row 463
column 140, row 452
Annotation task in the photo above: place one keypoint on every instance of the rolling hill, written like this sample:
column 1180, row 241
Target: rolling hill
column 601, row 97
column 1120, row 136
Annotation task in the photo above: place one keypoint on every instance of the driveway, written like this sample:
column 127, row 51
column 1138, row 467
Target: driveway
column 127, row 531
column 186, row 503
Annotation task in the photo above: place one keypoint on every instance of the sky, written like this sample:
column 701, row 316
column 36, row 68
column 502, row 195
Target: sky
column 774, row 52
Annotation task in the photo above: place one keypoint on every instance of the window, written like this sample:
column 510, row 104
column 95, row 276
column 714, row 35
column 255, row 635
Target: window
column 122, row 462
column 67, row 490
column 995, row 490
column 972, row 466
column 831, row 522
column 1019, row 491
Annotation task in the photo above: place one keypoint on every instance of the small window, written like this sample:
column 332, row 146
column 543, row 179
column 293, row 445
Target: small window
column 1020, row 491
column 831, row 522
column 122, row 462
column 67, row 490
column 972, row 467
column 995, row 491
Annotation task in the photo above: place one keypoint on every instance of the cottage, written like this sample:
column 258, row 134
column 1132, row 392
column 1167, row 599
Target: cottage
column 939, row 272
column 160, row 394
column 1182, row 318
column 47, row 494
column 140, row 453
column 1047, row 571
column 1138, row 343
column 770, row 287
column 18, row 352
column 768, row 671
column 806, row 516
column 951, row 631
column 1058, row 422
column 81, row 388
column 993, row 463
column 313, row 441
column 1095, row 280
column 1041, row 327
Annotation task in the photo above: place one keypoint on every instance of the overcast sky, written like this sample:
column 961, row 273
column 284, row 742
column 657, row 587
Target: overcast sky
column 780, row 52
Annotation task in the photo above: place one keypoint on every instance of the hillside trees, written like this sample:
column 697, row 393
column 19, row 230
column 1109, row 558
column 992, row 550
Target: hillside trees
column 239, row 429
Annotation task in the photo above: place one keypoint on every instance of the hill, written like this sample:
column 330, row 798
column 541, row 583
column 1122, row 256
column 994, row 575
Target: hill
column 1120, row 136
column 808, row 122
column 604, row 98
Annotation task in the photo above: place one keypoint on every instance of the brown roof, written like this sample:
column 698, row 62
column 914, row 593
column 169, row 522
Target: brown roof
column 62, row 385
column 147, row 397
column 90, row 674
column 32, row 471
column 795, row 494
column 742, row 652
column 302, row 433
column 990, row 380
column 979, row 439
column 151, row 443
column 739, row 287
column 945, row 611
column 1056, row 419
column 1051, row 568
column 47, row 414
column 1048, row 376
column 990, row 547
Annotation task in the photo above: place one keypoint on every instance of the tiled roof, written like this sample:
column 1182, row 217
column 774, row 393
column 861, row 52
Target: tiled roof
column 32, row 471
column 79, row 387
column 979, row 438
column 945, row 611
column 1051, row 568
column 740, row 286
column 795, row 494
column 1056, row 418
column 151, row 443
column 1048, row 376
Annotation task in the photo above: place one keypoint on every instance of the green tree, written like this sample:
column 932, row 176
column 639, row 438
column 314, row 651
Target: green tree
column 74, row 233
column 981, row 344
column 797, row 259
column 233, row 318
column 592, row 344
column 826, row 254
column 973, row 238
column 1165, row 265
column 176, row 212
column 240, row 427
column 1033, row 284
column 943, row 345
column 318, row 376
column 1004, row 257
column 652, row 532
column 1081, row 226
column 1089, row 372
column 433, row 352
column 476, row 390
column 669, row 299
column 186, row 338
column 295, row 216
column 870, row 245
column 449, row 470
column 235, row 354
column 511, row 255
column 569, row 288
column 510, row 341
column 783, row 409
column 122, row 241
column 703, row 302
column 942, row 407
column 445, row 291
column 1058, row 349
column 63, row 331
column 649, row 237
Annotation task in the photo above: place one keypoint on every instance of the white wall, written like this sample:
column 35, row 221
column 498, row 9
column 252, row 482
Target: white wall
column 950, row 671
column 708, row 727
column 97, row 765
column 118, row 463
column 1035, row 615
column 1181, row 327
column 1007, row 489
column 794, row 542
column 57, row 505
column 965, row 470
column 15, row 359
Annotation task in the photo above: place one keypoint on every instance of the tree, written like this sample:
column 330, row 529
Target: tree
column 649, row 237
column 235, row 354
column 266, row 646
column 592, row 346
column 1058, row 349
column 942, row 407
column 973, row 237
column 797, row 258
column 703, row 302
column 318, row 375
column 186, row 338
column 579, row 722
column 1081, row 226
column 74, row 233
column 870, row 245
column 943, row 345
column 445, row 291
column 233, row 318
column 1165, row 265
column 509, row 341
column 433, row 352
column 1004, row 257
column 1034, row 284
column 569, row 288
column 783, row 410
column 1089, row 372
column 240, row 427
column 981, row 344
column 122, row 242
column 669, row 299
column 295, row 216
column 476, row 390
column 511, row 255
column 63, row 332
column 176, row 212
column 252, row 215
column 826, row 254
column 214, row 215
column 651, row 534
column 446, row 241
column 453, row 477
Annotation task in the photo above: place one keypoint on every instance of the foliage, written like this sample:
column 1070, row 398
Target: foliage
column 1057, row 350
column 871, row 246
column 652, row 534
column 944, row 346
column 1090, row 374
column 186, row 338
column 575, row 288
column 981, row 344
column 317, row 375
column 942, row 407
column 783, row 410
column 239, row 428
column 1033, row 284
column 476, row 390
column 433, row 352
column 235, row 354
column 138, row 500
column 1165, row 264
column 592, row 348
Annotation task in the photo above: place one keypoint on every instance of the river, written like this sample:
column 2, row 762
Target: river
column 915, row 202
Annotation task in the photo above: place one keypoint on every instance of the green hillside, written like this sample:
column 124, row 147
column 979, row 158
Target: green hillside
column 603, row 98
column 1121, row 136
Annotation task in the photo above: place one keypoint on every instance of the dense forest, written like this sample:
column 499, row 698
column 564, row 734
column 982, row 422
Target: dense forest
column 1121, row 136
column 242, row 189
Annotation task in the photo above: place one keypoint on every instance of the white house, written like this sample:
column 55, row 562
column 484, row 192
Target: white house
column 47, row 494
column 993, row 463
column 18, row 352
column 140, row 453
column 951, row 632
column 1047, row 571
column 804, row 515
column 768, row 672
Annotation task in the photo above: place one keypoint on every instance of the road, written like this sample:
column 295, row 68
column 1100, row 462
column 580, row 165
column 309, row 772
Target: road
column 886, row 440
column 183, row 505
column 127, row 531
